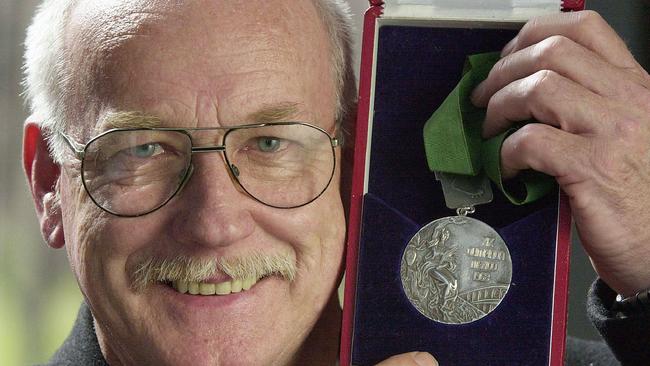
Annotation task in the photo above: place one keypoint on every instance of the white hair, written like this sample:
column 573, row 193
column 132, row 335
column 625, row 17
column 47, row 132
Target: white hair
column 337, row 19
column 45, row 69
column 48, row 71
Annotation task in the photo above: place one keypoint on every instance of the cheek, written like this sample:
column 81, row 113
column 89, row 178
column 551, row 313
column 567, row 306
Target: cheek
column 99, row 247
column 321, row 253
column 81, row 221
column 97, row 243
column 331, row 227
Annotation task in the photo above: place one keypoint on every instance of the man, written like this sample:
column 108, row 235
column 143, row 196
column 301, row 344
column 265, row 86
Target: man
column 197, row 241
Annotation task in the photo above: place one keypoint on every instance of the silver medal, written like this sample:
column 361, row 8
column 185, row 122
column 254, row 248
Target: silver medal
column 456, row 270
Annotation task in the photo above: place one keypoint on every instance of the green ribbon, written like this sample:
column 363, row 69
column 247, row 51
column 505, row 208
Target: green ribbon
column 453, row 142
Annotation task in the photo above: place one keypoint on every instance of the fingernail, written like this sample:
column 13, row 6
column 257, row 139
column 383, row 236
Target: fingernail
column 424, row 359
column 509, row 47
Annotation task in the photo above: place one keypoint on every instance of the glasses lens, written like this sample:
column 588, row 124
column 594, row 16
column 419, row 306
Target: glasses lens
column 130, row 173
column 281, row 165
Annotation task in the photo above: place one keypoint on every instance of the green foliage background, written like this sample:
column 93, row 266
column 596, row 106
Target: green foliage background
column 39, row 298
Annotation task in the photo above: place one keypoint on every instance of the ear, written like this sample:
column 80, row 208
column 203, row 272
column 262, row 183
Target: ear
column 42, row 175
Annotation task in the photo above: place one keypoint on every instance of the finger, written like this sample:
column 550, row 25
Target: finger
column 545, row 149
column 587, row 28
column 410, row 359
column 548, row 98
column 567, row 58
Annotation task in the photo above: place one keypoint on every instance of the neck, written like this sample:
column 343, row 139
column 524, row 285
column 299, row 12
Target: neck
column 107, row 351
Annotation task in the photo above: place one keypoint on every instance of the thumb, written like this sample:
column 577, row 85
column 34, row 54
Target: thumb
column 410, row 359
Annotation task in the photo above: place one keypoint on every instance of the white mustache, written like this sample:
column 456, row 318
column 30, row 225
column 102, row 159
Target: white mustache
column 190, row 269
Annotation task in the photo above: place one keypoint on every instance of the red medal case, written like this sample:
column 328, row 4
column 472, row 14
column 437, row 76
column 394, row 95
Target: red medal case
column 411, row 59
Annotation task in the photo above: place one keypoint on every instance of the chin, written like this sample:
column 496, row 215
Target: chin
column 198, row 355
column 223, row 344
column 257, row 326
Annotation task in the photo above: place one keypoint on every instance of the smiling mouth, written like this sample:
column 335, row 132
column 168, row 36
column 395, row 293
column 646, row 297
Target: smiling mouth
column 210, row 289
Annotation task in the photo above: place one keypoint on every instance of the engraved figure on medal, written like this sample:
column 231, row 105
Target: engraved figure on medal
column 456, row 270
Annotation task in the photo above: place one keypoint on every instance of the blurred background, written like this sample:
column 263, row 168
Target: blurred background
column 38, row 295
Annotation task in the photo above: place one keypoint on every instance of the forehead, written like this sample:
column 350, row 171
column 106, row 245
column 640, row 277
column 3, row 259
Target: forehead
column 204, row 62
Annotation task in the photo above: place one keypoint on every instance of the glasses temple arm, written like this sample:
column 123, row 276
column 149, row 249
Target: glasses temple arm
column 77, row 148
column 339, row 138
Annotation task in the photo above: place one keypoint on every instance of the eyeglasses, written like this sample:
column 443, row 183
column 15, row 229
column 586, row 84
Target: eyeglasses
column 131, row 172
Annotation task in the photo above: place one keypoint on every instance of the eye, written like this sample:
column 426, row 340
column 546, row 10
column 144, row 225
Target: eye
column 268, row 144
column 145, row 150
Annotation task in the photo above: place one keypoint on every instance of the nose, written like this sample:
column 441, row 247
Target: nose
column 210, row 210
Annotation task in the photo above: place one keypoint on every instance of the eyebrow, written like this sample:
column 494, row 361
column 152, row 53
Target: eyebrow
column 131, row 119
column 276, row 112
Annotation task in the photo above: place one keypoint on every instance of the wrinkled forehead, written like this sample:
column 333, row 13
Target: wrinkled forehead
column 109, row 24
column 127, row 46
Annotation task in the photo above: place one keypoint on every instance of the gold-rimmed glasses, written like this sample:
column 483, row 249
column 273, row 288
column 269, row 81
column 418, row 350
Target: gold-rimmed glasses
column 131, row 172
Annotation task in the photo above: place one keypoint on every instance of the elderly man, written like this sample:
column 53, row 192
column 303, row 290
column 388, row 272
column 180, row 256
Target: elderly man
column 205, row 229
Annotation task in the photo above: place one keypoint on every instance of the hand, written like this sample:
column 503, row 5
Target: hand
column 410, row 359
column 573, row 74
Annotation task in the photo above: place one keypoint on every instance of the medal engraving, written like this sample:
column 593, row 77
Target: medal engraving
column 456, row 270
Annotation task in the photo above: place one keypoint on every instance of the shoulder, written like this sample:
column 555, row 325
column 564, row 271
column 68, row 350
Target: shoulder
column 81, row 347
column 581, row 352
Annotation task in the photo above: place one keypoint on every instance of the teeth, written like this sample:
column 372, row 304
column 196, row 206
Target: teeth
column 181, row 286
column 248, row 283
column 193, row 288
column 236, row 286
column 223, row 288
column 207, row 289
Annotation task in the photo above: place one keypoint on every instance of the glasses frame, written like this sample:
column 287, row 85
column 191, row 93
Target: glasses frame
column 80, row 152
